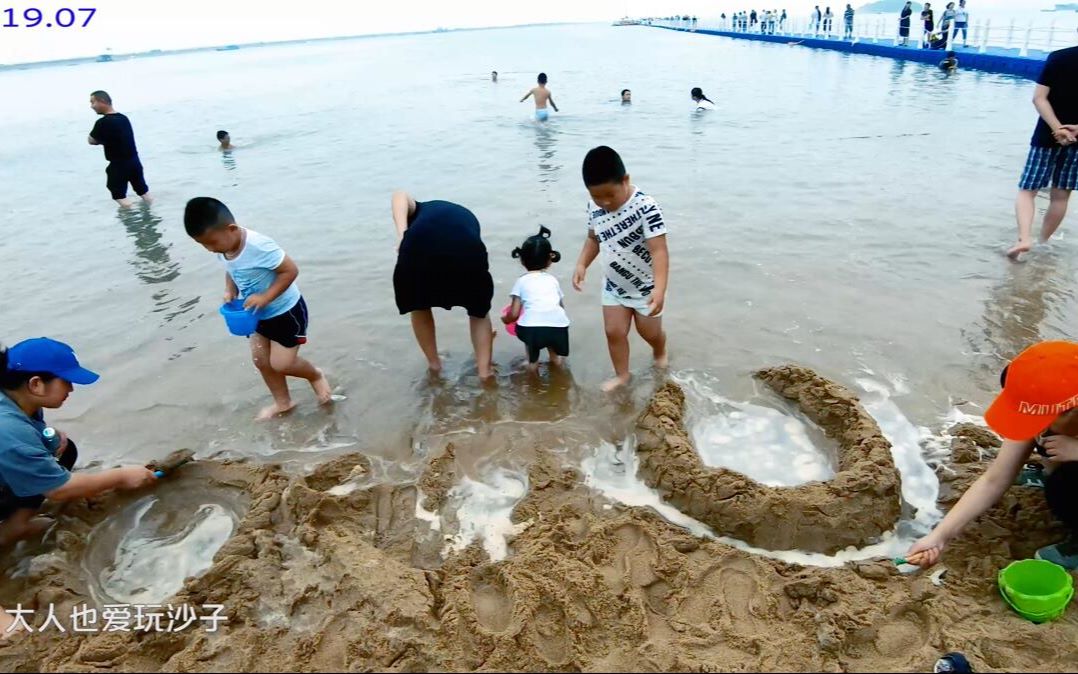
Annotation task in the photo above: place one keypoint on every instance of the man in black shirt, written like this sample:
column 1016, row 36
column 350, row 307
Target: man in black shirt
column 1053, row 152
column 114, row 132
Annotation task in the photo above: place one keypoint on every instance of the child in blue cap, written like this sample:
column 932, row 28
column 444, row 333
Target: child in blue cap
column 35, row 460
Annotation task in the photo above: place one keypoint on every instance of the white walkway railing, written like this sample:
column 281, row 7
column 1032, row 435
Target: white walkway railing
column 980, row 35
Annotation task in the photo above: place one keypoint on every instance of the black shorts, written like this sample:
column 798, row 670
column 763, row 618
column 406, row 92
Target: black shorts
column 538, row 338
column 9, row 502
column 123, row 171
column 288, row 329
column 1061, row 491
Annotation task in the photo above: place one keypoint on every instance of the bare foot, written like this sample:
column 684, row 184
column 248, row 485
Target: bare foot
column 615, row 383
column 275, row 410
column 1019, row 248
column 322, row 389
column 662, row 359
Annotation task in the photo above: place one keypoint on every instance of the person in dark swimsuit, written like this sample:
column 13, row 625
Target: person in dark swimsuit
column 442, row 262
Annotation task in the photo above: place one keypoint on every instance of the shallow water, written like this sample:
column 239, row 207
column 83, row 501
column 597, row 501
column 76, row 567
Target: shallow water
column 143, row 553
column 843, row 212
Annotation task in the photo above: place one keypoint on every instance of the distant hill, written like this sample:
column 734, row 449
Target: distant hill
column 887, row 6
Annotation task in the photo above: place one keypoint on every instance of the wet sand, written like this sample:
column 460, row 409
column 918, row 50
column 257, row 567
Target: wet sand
column 327, row 571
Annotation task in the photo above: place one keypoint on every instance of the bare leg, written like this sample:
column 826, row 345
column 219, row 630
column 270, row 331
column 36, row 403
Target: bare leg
column 287, row 362
column 124, row 203
column 617, row 321
column 425, row 335
column 1057, row 208
column 22, row 525
column 483, row 343
column 275, row 381
column 555, row 359
column 147, row 198
column 1025, row 205
column 651, row 329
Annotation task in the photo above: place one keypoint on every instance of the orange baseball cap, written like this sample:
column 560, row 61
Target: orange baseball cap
column 1041, row 383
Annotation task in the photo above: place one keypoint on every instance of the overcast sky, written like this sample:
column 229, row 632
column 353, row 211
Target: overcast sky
column 141, row 25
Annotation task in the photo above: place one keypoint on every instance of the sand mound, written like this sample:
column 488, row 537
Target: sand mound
column 856, row 506
column 320, row 577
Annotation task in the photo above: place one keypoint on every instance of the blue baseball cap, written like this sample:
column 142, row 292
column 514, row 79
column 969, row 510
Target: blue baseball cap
column 48, row 356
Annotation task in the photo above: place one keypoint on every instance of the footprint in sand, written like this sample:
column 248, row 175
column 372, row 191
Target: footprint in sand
column 550, row 635
column 632, row 561
column 492, row 601
column 730, row 592
column 900, row 636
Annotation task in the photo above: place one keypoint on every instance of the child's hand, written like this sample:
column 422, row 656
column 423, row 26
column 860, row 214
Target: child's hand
column 655, row 304
column 256, row 301
column 926, row 552
column 1061, row 448
column 578, row 277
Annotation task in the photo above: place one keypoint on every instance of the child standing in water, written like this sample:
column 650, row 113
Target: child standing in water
column 627, row 226
column 258, row 272
column 537, row 295
column 542, row 96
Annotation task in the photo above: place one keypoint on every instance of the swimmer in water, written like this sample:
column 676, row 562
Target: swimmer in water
column 949, row 64
column 542, row 96
column 702, row 102
column 626, row 97
column 225, row 140
column 493, row 75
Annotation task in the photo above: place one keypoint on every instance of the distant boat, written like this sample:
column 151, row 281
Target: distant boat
column 231, row 47
column 104, row 58
column 626, row 21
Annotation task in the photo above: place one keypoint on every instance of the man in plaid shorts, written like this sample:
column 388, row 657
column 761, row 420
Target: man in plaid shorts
column 1053, row 152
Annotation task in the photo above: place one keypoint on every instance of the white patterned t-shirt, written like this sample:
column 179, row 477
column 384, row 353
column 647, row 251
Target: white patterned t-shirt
column 623, row 236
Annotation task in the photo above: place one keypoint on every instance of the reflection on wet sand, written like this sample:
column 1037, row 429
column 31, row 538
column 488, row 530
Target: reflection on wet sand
column 1024, row 307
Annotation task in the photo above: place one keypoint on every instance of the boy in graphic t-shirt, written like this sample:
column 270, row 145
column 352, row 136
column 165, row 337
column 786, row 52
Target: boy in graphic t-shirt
column 627, row 226
column 258, row 272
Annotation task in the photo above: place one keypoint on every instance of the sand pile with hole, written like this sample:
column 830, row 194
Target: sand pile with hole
column 317, row 577
column 856, row 506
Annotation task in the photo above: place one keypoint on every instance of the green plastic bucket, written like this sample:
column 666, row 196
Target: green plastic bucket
column 1037, row 590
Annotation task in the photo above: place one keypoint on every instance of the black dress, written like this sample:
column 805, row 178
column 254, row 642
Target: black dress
column 442, row 261
column 904, row 23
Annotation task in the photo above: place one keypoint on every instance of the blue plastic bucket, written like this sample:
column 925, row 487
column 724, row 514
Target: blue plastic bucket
column 240, row 321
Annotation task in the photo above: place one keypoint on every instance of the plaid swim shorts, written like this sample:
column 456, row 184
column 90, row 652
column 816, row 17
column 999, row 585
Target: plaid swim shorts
column 1056, row 166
